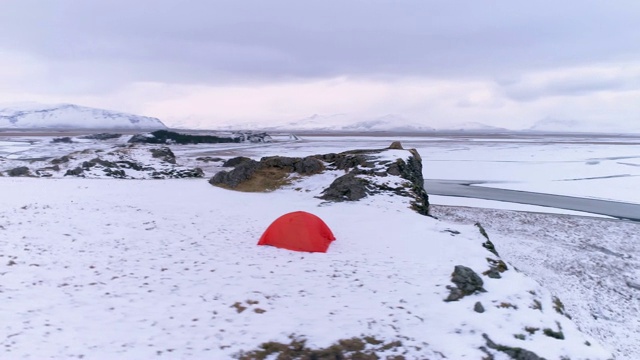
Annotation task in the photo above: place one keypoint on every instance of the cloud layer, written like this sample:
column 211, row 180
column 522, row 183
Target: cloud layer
column 499, row 62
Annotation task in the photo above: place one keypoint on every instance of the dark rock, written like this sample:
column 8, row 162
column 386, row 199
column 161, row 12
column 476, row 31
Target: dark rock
column 279, row 162
column 467, row 283
column 102, row 136
column 514, row 353
column 478, row 307
column 252, row 137
column 75, row 172
column 396, row 145
column 633, row 285
column 303, row 166
column 309, row 166
column 115, row 173
column 171, row 137
column 346, row 188
column 235, row 161
column 65, row 139
column 126, row 164
column 554, row 334
column 209, row 159
column 50, row 168
column 61, row 160
column 492, row 273
column 19, row 171
column 347, row 161
column 350, row 187
column 177, row 174
column 41, row 173
column 190, row 173
column 233, row 178
column 164, row 153
column 487, row 244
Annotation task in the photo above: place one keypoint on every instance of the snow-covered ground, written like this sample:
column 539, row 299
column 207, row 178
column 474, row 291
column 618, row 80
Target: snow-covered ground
column 135, row 268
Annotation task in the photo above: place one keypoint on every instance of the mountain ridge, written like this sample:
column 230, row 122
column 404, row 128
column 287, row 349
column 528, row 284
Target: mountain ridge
column 71, row 116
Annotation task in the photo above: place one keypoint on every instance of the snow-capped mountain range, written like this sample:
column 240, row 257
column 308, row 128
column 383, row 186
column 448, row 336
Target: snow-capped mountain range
column 576, row 126
column 69, row 116
column 345, row 122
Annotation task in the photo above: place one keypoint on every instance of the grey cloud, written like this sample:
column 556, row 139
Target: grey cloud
column 571, row 86
column 202, row 41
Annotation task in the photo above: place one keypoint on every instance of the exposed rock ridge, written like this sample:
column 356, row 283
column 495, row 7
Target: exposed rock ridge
column 367, row 172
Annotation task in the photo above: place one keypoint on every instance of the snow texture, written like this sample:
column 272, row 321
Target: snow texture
column 110, row 268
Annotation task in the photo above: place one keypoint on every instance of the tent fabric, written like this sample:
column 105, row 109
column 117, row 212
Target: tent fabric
column 298, row 231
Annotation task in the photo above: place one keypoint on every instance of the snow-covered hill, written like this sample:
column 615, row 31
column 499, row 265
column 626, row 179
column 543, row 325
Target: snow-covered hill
column 576, row 126
column 69, row 116
column 338, row 122
column 472, row 126
column 171, row 269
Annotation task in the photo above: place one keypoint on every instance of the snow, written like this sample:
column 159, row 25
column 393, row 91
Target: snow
column 588, row 263
column 69, row 116
column 128, row 268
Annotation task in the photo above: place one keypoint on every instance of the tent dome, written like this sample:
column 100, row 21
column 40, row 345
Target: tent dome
column 298, row 231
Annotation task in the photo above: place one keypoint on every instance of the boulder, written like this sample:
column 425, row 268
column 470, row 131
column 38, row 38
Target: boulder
column 467, row 283
column 346, row 188
column 233, row 178
column 78, row 171
column 235, row 161
column 19, row 171
column 66, row 140
column 164, row 153
column 61, row 160
column 514, row 353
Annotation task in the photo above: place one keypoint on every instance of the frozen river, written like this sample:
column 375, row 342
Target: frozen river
column 465, row 189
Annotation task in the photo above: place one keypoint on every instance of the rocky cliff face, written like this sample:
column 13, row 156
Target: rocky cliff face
column 359, row 173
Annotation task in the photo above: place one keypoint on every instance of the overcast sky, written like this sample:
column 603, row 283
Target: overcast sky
column 205, row 62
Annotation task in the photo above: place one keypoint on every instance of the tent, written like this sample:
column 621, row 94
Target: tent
column 298, row 231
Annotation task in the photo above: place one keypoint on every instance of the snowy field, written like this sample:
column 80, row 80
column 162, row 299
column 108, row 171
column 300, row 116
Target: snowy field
column 83, row 259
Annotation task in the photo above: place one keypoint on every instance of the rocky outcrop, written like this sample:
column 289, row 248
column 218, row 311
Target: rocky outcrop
column 171, row 137
column 19, row 171
column 120, row 162
column 164, row 153
column 365, row 173
column 241, row 173
column 348, row 187
column 65, row 140
column 467, row 283
column 235, row 161
column 101, row 136
column 254, row 137
column 270, row 171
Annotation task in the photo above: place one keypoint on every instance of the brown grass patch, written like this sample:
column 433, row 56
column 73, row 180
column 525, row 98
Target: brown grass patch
column 345, row 349
column 265, row 180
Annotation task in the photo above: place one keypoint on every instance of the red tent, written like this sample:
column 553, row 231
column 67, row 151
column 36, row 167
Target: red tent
column 298, row 231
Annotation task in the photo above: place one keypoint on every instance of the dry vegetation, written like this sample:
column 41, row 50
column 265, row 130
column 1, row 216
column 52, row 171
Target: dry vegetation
column 364, row 348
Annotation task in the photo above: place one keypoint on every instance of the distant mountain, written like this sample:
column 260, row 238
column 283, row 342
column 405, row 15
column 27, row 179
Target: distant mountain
column 556, row 125
column 69, row 116
column 473, row 126
column 344, row 122
column 575, row 126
